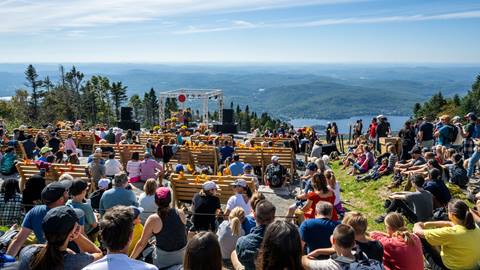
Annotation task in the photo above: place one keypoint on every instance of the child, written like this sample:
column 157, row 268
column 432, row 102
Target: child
column 137, row 228
column 335, row 186
column 376, row 172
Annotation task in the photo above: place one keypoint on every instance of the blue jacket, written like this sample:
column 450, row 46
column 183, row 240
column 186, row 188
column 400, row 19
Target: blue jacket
column 248, row 245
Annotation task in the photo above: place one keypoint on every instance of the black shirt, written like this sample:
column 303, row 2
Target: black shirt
column 382, row 129
column 427, row 129
column 54, row 143
column 205, row 205
column 373, row 249
column 29, row 147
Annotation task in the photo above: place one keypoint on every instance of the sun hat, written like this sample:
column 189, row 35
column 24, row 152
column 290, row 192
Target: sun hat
column 239, row 183
column 162, row 192
column 61, row 219
column 209, row 185
column 45, row 149
column 103, row 183
column 275, row 158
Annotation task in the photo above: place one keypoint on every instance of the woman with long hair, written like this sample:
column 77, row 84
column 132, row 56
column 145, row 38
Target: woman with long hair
column 230, row 230
column 281, row 248
column 203, row 253
column 402, row 249
column 60, row 226
column 333, row 133
column 241, row 197
column 321, row 192
column 133, row 168
column 10, row 203
column 458, row 239
column 168, row 228
column 147, row 199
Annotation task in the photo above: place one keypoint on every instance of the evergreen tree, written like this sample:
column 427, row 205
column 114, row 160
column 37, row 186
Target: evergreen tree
column 119, row 96
column 136, row 103
column 33, row 82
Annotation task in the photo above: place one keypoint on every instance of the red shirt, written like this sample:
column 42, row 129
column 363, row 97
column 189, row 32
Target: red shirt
column 397, row 255
column 373, row 130
column 315, row 198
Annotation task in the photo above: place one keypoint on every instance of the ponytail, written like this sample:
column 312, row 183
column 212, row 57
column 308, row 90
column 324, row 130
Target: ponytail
column 396, row 222
column 461, row 211
column 235, row 226
column 469, row 221
column 48, row 257
column 405, row 235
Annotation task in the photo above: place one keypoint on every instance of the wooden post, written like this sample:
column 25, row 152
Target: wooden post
column 349, row 134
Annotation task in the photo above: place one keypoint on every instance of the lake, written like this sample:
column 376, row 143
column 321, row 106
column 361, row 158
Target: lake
column 396, row 122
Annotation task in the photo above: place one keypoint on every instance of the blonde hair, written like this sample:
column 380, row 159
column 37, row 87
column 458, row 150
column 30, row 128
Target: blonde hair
column 150, row 186
column 236, row 217
column 396, row 223
column 358, row 222
column 331, row 179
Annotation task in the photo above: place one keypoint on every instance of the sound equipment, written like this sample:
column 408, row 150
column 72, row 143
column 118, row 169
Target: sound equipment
column 126, row 114
column 227, row 116
column 125, row 125
column 225, row 128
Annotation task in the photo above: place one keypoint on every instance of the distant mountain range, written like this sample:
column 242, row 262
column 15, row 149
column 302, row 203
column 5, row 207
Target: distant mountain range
column 287, row 91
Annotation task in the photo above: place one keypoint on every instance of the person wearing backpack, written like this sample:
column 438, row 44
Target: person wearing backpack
column 7, row 164
column 343, row 241
column 447, row 133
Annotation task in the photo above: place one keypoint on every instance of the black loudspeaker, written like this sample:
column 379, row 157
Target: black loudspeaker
column 225, row 128
column 227, row 116
column 329, row 148
column 126, row 113
column 125, row 125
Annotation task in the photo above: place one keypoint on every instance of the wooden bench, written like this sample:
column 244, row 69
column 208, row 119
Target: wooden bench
column 82, row 139
column 182, row 156
column 27, row 169
column 123, row 152
column 143, row 137
column 34, row 131
column 261, row 156
column 206, row 139
column 276, row 141
column 186, row 186
column 205, row 156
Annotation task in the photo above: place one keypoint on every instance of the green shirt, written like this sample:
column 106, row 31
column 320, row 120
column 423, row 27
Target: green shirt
column 88, row 210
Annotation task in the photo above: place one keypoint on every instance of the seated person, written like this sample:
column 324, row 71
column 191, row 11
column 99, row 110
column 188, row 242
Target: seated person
column 435, row 185
column 415, row 206
column 457, row 172
column 275, row 173
column 343, row 242
column 365, row 162
column 236, row 167
column 414, row 164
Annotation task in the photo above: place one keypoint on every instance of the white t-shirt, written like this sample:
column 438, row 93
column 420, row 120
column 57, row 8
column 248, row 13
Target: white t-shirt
column 148, row 204
column 119, row 261
column 238, row 201
column 324, row 265
column 112, row 167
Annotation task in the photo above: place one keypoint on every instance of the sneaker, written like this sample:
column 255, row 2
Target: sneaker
column 380, row 219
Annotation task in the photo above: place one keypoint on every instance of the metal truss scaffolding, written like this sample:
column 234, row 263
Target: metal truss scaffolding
column 201, row 94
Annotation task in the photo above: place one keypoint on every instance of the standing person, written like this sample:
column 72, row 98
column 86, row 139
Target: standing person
column 229, row 231
column 118, row 195
column 402, row 249
column 468, row 143
column 240, row 198
column 281, row 248
column 112, row 166
column 407, row 134
column 458, row 239
column 447, row 133
column 425, row 133
column 236, row 168
column 168, row 228
column 97, row 168
column 150, row 168
column 10, row 203
column 328, row 131
column 457, row 142
column 246, row 251
column 372, row 130
column 54, row 142
column 205, row 206
column 382, row 130
column 203, row 253
column 147, row 199
column 333, row 133
column 60, row 226
column 117, row 232
column 226, row 151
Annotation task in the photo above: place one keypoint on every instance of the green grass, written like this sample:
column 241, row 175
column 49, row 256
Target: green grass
column 368, row 197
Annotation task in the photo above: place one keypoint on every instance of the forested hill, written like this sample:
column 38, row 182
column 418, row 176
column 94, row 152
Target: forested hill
column 290, row 91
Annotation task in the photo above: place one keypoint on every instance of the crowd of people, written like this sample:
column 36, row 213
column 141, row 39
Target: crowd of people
column 103, row 224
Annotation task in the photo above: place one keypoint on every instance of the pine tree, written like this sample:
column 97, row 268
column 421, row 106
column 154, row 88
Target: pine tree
column 119, row 96
column 33, row 82
column 136, row 103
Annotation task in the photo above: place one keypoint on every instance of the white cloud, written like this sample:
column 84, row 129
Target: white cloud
column 237, row 25
column 46, row 15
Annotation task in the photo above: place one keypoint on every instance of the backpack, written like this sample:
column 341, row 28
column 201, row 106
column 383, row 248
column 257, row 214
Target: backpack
column 458, row 176
column 274, row 176
column 452, row 134
column 362, row 262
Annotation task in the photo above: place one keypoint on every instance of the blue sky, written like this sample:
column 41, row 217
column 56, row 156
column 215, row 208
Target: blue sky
column 323, row 31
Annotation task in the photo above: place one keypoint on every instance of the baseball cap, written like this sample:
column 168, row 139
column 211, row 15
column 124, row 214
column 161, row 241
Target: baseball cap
column 471, row 115
column 380, row 116
column 78, row 186
column 61, row 219
column 415, row 150
column 247, row 167
column 45, row 149
column 103, row 183
column 162, row 192
column 98, row 150
column 179, row 168
column 312, row 166
column 275, row 158
column 55, row 190
column 136, row 211
column 239, row 183
column 209, row 185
